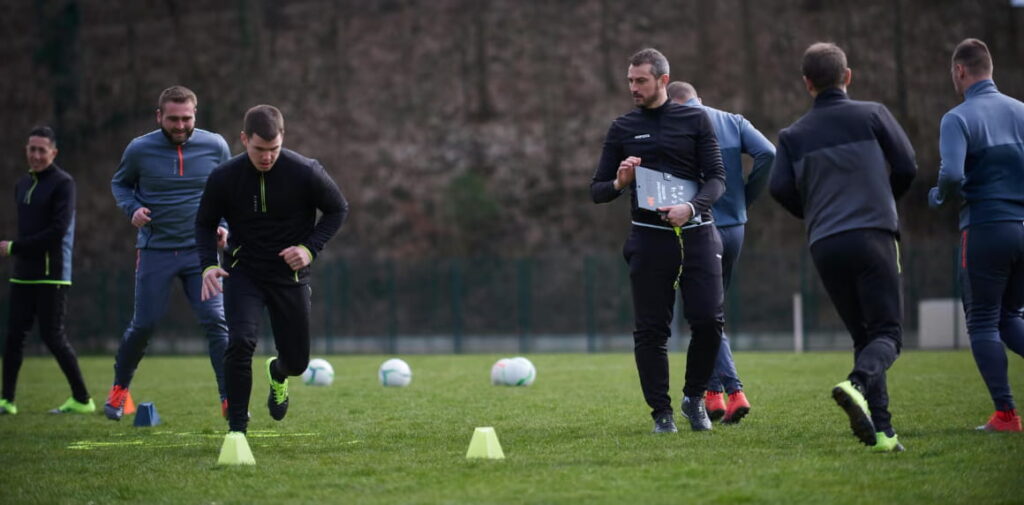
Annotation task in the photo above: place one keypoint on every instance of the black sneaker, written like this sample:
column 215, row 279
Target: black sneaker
column 277, row 401
column 665, row 424
column 849, row 398
column 693, row 409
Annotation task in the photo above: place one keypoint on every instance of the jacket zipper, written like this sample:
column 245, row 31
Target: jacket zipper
column 181, row 162
column 263, row 194
column 35, row 182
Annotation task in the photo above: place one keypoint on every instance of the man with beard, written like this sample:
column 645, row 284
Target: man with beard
column 674, row 249
column 158, row 186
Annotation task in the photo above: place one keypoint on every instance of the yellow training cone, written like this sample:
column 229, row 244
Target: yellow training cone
column 485, row 444
column 235, row 450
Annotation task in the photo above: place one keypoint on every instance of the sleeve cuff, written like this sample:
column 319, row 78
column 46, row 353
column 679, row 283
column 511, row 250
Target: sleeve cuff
column 693, row 211
column 207, row 269
column 10, row 247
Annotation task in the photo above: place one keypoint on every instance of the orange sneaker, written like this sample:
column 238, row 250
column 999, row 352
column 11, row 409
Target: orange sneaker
column 714, row 402
column 1002, row 420
column 738, row 407
column 119, row 402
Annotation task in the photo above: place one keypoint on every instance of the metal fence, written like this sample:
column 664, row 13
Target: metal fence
column 493, row 304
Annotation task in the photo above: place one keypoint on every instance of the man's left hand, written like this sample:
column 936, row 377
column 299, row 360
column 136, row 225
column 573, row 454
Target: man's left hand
column 296, row 257
column 4, row 244
column 676, row 215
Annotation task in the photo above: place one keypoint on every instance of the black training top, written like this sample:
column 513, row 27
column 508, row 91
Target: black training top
column 268, row 212
column 46, row 227
column 842, row 166
column 672, row 138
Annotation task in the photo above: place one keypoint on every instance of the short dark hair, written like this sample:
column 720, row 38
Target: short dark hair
column 824, row 65
column 45, row 132
column 974, row 56
column 681, row 90
column 176, row 94
column 659, row 64
column 265, row 121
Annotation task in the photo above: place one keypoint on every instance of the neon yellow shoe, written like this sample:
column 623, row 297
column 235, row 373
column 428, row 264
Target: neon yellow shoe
column 277, row 400
column 850, row 399
column 884, row 443
column 73, row 407
column 7, row 407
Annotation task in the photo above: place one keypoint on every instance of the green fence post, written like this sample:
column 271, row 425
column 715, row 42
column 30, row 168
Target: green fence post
column 523, row 274
column 392, row 309
column 589, row 310
column 456, row 300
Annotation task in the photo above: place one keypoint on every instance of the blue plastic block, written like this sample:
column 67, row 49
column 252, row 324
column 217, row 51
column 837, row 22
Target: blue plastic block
column 146, row 415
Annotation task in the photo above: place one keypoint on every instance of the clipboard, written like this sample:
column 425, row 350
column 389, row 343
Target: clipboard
column 656, row 189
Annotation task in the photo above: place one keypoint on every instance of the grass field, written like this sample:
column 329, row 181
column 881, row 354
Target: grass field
column 580, row 434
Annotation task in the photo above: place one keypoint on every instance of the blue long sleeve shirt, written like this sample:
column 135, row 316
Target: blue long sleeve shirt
column 981, row 142
column 168, row 179
column 736, row 136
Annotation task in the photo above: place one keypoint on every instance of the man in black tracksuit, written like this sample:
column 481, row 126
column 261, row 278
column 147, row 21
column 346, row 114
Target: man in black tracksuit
column 269, row 196
column 668, row 137
column 841, row 168
column 45, row 200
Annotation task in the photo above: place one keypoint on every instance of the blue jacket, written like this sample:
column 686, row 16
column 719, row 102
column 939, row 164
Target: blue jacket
column 736, row 136
column 167, row 179
column 46, row 227
column 982, row 146
column 842, row 166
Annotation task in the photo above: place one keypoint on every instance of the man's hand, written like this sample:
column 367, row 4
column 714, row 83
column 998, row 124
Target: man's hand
column 141, row 217
column 676, row 215
column 211, row 283
column 296, row 257
column 626, row 173
column 222, row 237
column 4, row 245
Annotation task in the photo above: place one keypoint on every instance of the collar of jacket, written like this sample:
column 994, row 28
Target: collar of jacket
column 829, row 97
column 980, row 88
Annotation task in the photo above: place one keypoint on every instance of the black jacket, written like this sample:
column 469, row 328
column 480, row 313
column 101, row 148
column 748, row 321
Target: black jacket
column 672, row 138
column 46, row 227
column 268, row 212
column 842, row 166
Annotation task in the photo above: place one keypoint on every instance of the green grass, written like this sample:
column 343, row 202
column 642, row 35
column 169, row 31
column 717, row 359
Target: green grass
column 580, row 434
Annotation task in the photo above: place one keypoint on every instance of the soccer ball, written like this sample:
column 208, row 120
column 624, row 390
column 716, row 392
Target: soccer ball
column 318, row 373
column 516, row 371
column 395, row 372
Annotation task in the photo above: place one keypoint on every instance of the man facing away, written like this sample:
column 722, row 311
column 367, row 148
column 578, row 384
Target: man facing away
column 158, row 186
column 667, row 252
column 981, row 142
column 45, row 200
column 270, row 197
column 841, row 168
column 736, row 136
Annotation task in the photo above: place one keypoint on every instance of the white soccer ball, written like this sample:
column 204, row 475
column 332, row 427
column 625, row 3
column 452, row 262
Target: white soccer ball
column 395, row 372
column 318, row 373
column 517, row 371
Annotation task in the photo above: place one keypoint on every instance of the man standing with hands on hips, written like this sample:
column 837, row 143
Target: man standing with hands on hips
column 269, row 196
column 670, row 251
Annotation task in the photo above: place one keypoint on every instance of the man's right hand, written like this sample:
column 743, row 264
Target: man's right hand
column 211, row 283
column 140, row 217
column 626, row 173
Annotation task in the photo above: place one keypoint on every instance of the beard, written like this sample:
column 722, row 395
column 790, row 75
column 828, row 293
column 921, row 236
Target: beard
column 178, row 138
